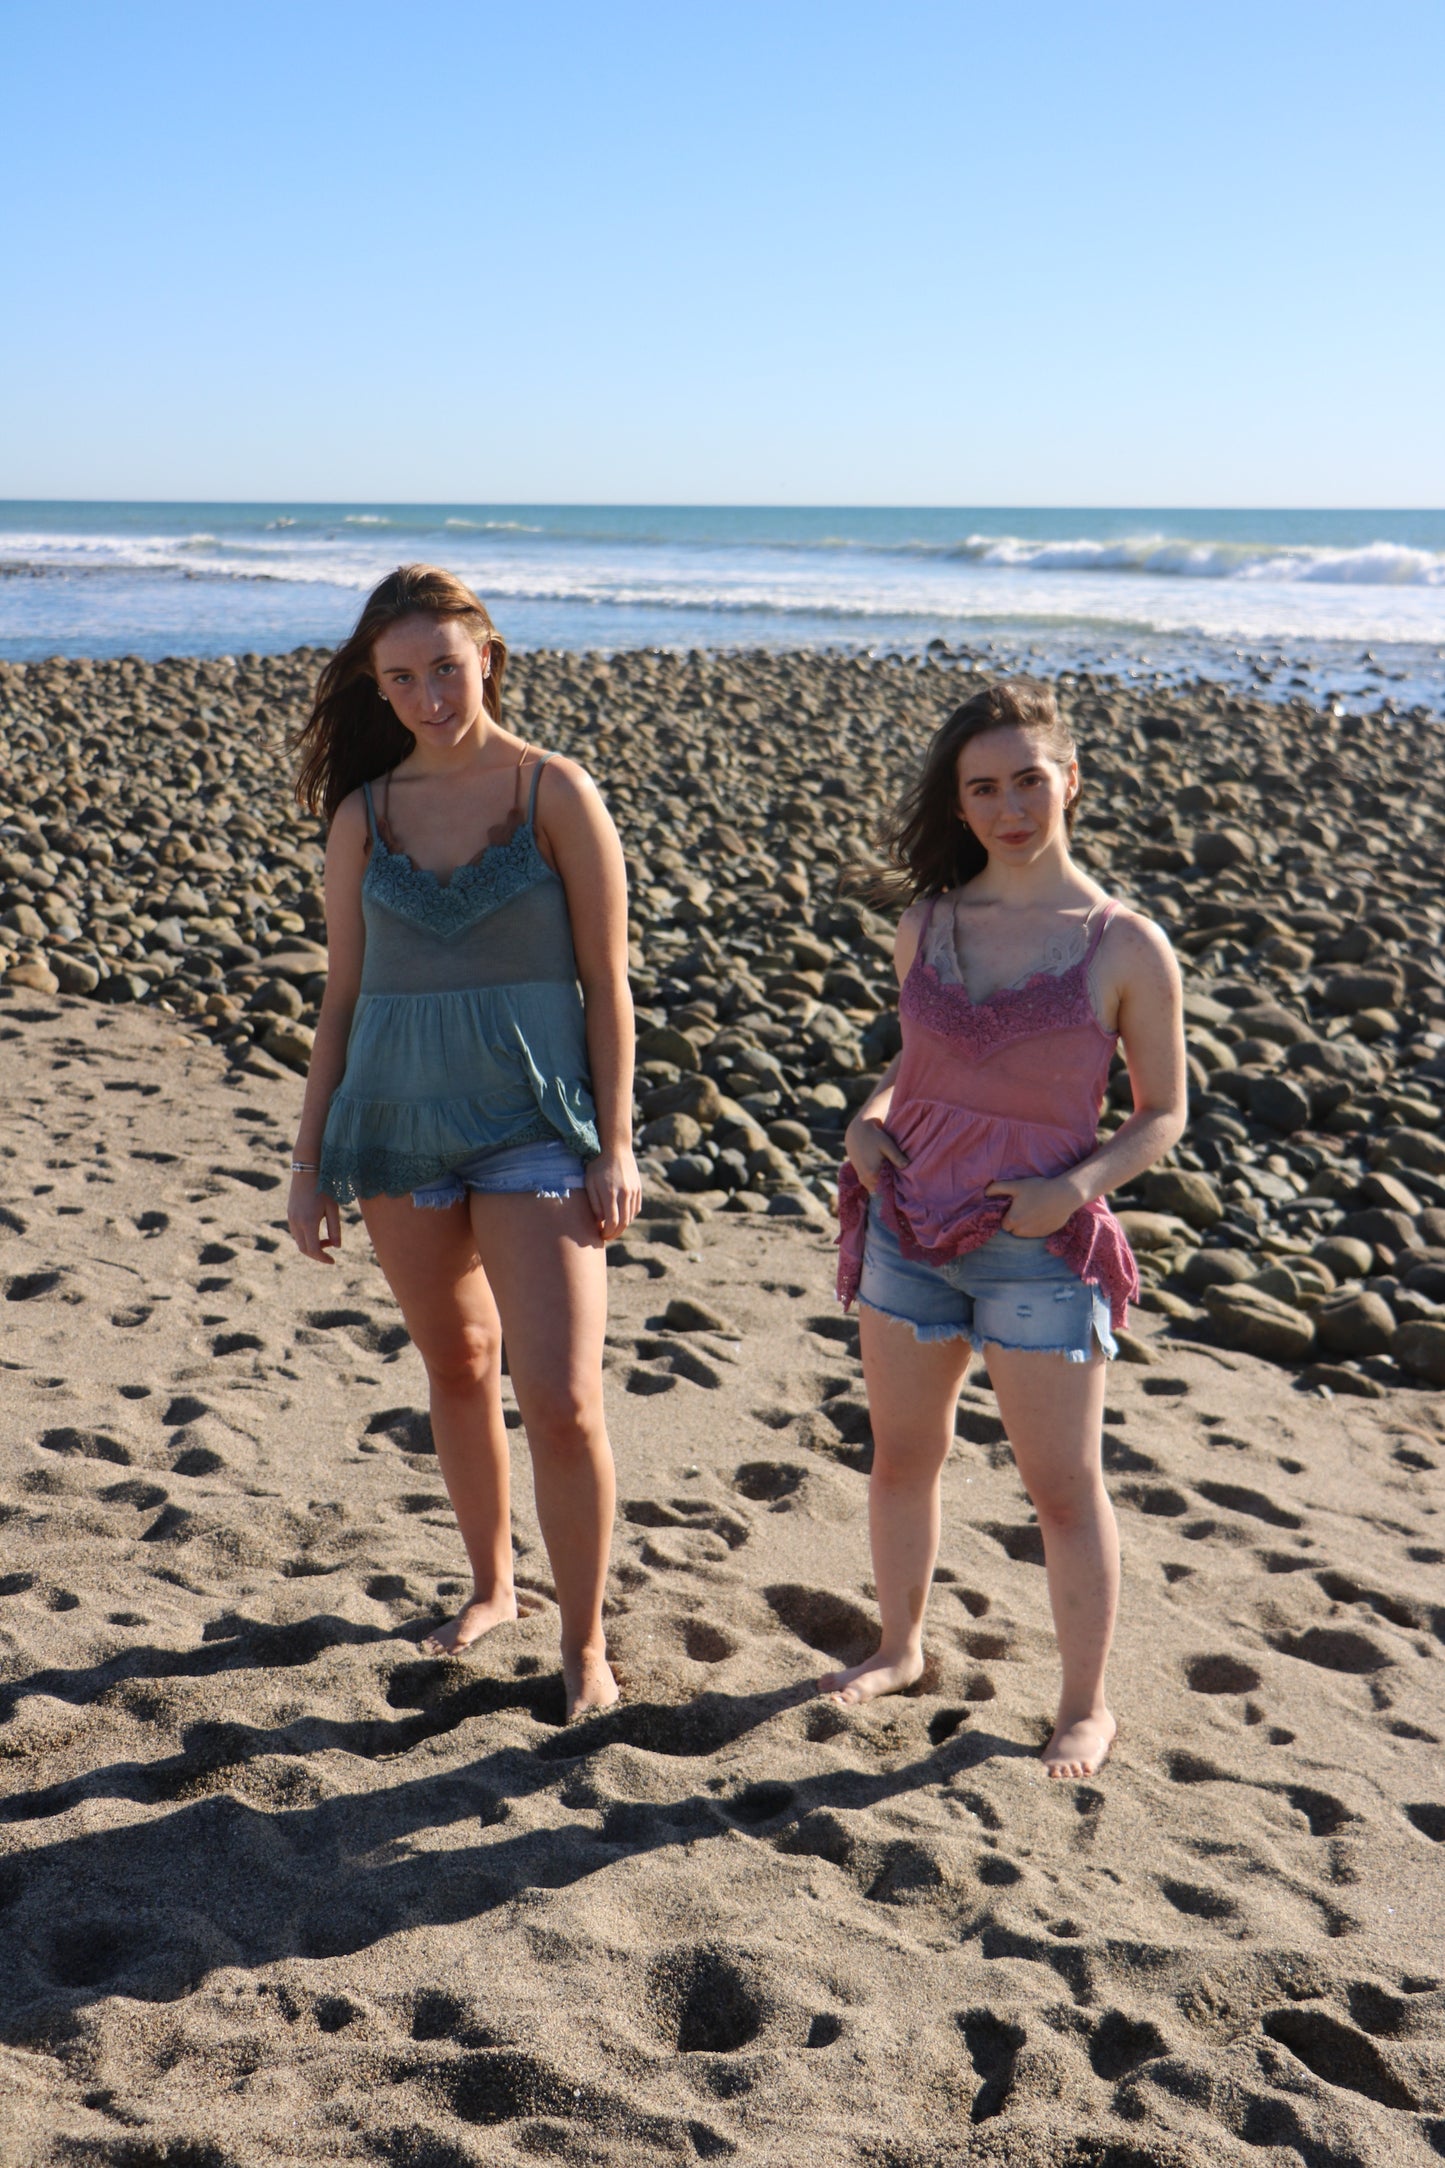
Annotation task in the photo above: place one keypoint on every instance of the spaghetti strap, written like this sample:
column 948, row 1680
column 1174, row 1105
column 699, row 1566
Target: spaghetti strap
column 542, row 760
column 1104, row 912
column 370, row 810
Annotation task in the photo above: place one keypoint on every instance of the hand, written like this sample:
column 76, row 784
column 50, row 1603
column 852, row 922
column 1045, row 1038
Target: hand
column 614, row 1190
column 868, row 1145
column 1039, row 1205
column 307, row 1211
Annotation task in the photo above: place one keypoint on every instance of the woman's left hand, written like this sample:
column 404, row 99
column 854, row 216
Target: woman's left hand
column 614, row 1190
column 1039, row 1205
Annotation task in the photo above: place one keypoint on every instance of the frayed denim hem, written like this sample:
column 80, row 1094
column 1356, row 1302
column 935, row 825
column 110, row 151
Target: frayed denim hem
column 1108, row 1347
column 925, row 1334
column 444, row 1203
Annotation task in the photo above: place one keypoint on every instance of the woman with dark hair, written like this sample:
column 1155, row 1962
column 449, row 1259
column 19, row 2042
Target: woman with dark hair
column 471, row 1083
column 972, row 1201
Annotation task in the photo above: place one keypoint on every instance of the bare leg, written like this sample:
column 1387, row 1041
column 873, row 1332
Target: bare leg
column 431, row 1265
column 912, row 1392
column 546, row 1261
column 1053, row 1411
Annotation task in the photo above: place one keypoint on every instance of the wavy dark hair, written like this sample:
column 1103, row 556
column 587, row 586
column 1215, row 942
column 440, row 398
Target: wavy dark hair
column 351, row 735
column 927, row 845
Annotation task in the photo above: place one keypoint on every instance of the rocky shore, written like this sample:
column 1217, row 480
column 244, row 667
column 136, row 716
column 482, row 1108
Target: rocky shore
column 150, row 853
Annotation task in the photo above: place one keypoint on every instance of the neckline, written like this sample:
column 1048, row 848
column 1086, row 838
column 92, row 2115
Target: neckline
column 1029, row 978
column 524, row 827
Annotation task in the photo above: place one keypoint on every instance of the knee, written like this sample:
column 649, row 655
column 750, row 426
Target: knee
column 463, row 1360
column 563, row 1417
column 1065, row 1508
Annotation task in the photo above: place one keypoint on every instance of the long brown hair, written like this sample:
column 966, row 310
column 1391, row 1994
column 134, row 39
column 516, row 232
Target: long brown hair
column 927, row 845
column 352, row 735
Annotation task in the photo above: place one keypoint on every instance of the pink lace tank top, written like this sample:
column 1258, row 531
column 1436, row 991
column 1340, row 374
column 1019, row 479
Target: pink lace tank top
column 988, row 1090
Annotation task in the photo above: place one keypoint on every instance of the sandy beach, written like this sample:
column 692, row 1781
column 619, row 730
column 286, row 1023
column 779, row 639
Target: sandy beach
column 275, row 1888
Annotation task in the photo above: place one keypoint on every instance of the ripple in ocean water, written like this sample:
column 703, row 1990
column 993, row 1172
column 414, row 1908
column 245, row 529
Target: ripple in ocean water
column 1352, row 602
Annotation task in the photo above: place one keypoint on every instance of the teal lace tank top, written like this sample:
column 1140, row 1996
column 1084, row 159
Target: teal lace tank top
column 468, row 1032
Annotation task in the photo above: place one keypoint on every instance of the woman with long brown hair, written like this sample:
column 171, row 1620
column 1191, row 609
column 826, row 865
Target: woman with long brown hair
column 471, row 1083
column 972, row 1201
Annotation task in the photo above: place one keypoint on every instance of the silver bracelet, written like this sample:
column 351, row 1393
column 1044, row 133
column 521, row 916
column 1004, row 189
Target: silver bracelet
column 304, row 1166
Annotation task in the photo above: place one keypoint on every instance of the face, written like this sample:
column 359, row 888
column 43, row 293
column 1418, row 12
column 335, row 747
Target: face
column 432, row 672
column 1012, row 793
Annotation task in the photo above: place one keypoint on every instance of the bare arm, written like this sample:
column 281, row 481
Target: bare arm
column 866, row 1140
column 306, row 1209
column 1151, row 1026
column 577, row 831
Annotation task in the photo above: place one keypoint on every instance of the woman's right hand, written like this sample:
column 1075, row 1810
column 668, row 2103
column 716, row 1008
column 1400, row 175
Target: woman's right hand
column 868, row 1145
column 307, row 1212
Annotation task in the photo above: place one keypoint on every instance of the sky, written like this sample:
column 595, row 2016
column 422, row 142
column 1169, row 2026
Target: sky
column 1083, row 252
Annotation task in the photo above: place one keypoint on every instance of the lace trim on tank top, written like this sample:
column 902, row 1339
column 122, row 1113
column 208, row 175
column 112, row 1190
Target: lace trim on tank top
column 1061, row 993
column 498, row 872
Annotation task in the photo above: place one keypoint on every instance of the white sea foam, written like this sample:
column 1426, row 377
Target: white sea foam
column 1378, row 564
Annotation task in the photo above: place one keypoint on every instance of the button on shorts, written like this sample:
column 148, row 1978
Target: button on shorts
column 1012, row 1292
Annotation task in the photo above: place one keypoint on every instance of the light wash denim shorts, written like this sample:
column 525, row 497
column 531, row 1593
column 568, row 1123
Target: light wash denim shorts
column 548, row 1169
column 1011, row 1291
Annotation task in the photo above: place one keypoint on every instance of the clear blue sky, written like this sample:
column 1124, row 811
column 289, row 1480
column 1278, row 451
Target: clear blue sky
column 774, row 251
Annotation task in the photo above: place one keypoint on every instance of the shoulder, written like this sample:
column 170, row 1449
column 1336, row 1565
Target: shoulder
column 1135, row 948
column 911, row 928
column 349, row 823
column 563, row 784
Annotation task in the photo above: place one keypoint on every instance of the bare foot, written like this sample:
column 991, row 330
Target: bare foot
column 472, row 1621
column 866, row 1681
column 589, row 1683
column 1080, row 1748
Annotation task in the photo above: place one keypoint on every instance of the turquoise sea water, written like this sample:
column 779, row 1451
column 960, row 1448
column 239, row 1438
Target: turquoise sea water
column 1351, row 601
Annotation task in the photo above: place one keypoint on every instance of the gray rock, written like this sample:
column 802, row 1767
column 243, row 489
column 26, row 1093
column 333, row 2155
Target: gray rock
column 1257, row 1324
column 1336, row 1379
column 1345, row 1256
column 684, row 1315
column 1388, row 1190
column 1351, row 990
column 73, row 975
column 1280, row 1103
column 1152, row 1230
column 1420, row 1350
column 1216, row 1268
column 670, row 1132
column 797, row 1204
column 1217, row 848
column 1381, row 1228
column 1187, row 1196
column 1353, row 1324
column 697, row 1096
column 662, row 1043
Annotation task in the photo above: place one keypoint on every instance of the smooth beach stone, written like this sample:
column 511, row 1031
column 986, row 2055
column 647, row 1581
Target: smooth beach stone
column 1388, row 1190
column 697, row 1096
column 1258, row 1324
column 1344, row 1256
column 1283, row 1105
column 1354, row 1324
column 73, row 975
column 1335, row 1378
column 1152, row 1230
column 662, row 1043
column 1350, row 990
column 1419, row 1348
column 1203, row 1269
column 1190, row 1197
column 673, row 1132
column 1216, row 848
column 290, row 1042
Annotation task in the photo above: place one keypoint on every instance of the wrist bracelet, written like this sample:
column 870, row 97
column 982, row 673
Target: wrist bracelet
column 304, row 1166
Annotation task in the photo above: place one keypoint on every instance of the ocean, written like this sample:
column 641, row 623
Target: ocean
column 1342, row 602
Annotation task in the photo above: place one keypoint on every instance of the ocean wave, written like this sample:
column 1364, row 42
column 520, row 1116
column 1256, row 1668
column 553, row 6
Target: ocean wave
column 1377, row 564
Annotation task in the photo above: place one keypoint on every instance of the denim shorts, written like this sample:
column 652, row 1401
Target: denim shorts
column 548, row 1169
column 1011, row 1291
